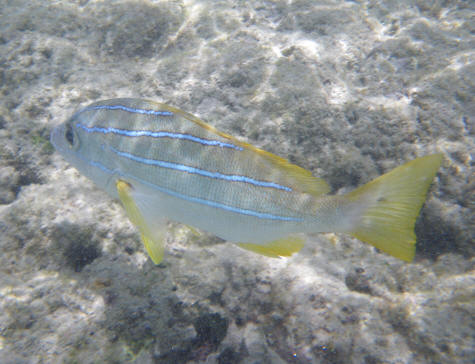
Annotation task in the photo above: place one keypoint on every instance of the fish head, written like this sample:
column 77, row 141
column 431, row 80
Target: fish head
column 87, row 152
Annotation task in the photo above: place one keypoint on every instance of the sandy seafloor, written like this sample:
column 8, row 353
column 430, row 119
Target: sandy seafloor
column 347, row 90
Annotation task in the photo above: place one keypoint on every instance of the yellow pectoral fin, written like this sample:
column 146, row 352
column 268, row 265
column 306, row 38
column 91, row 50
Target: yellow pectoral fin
column 154, row 247
column 277, row 248
column 153, row 241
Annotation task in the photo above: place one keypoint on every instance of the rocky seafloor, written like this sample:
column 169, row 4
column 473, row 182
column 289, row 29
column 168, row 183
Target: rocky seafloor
column 347, row 90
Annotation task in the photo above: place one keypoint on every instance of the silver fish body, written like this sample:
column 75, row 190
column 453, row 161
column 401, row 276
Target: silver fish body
column 185, row 171
column 164, row 164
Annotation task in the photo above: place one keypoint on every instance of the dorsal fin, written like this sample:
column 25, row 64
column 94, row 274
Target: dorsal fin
column 300, row 179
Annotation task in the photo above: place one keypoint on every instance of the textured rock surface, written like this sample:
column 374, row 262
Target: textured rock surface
column 348, row 90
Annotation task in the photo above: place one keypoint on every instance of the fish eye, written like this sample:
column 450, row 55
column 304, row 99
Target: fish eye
column 69, row 134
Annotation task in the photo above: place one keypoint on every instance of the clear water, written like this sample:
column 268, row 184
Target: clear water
column 347, row 90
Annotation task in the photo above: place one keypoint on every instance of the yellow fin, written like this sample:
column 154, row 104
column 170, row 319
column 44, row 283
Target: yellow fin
column 300, row 179
column 276, row 249
column 395, row 200
column 153, row 241
column 154, row 247
column 193, row 230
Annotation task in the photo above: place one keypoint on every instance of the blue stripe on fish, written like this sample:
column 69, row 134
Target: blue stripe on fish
column 202, row 172
column 260, row 215
column 157, row 134
column 100, row 166
column 129, row 109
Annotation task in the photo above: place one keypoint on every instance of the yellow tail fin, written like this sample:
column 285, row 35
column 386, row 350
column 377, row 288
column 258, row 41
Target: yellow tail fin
column 394, row 201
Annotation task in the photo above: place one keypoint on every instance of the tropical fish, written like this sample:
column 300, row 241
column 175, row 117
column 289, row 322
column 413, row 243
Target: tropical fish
column 165, row 164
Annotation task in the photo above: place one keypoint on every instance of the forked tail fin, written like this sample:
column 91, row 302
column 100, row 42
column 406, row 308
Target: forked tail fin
column 393, row 203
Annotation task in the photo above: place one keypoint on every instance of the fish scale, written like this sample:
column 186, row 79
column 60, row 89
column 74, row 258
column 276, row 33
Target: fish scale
column 178, row 164
column 163, row 163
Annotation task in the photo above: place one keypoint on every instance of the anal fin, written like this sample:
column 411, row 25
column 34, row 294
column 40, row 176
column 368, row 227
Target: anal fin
column 277, row 248
column 193, row 230
column 153, row 240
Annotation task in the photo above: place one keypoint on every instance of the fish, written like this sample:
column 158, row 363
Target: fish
column 164, row 164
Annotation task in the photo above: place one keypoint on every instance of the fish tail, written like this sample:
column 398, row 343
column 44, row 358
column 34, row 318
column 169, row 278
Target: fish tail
column 391, row 205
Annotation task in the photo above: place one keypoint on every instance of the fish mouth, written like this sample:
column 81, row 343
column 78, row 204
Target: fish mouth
column 56, row 135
